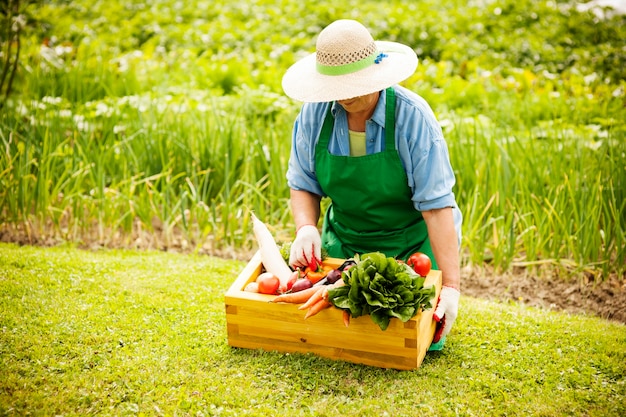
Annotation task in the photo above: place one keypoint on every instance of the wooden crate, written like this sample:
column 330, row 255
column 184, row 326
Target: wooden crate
column 255, row 323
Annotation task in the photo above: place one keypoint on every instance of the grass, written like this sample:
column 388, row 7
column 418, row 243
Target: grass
column 117, row 332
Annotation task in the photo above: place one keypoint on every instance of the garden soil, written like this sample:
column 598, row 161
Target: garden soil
column 605, row 299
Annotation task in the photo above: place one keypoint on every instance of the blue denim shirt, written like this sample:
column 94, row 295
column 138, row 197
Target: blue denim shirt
column 419, row 141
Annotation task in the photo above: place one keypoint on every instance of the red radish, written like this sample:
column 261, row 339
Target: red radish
column 292, row 279
column 270, row 254
column 301, row 284
column 333, row 276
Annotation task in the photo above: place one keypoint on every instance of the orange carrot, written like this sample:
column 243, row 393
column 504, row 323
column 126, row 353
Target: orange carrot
column 321, row 294
column 346, row 318
column 325, row 293
column 296, row 297
column 315, row 297
column 317, row 307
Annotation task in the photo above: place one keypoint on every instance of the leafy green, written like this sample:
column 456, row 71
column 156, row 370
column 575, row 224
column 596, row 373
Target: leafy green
column 383, row 288
column 285, row 251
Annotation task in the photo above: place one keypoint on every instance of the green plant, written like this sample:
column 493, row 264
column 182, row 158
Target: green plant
column 167, row 123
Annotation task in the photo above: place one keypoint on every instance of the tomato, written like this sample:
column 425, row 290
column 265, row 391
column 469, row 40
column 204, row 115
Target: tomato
column 268, row 283
column 420, row 262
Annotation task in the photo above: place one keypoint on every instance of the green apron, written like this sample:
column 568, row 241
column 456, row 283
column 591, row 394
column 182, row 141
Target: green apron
column 371, row 208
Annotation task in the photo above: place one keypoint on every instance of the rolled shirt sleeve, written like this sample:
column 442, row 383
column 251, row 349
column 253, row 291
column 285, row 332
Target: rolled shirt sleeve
column 301, row 170
column 433, row 179
column 424, row 154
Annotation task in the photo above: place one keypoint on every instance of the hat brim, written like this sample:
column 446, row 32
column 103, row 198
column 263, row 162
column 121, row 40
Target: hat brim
column 302, row 82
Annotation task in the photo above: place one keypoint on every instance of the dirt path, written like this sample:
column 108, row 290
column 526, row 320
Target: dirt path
column 606, row 299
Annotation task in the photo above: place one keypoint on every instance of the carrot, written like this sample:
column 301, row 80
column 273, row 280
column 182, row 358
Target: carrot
column 346, row 318
column 317, row 307
column 325, row 293
column 317, row 295
column 295, row 297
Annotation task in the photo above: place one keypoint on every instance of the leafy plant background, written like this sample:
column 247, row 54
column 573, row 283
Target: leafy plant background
column 162, row 124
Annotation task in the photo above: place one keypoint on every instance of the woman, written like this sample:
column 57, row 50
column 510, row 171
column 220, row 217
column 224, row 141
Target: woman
column 378, row 152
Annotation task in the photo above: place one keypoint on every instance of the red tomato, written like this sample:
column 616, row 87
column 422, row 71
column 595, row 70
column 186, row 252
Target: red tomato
column 420, row 262
column 268, row 283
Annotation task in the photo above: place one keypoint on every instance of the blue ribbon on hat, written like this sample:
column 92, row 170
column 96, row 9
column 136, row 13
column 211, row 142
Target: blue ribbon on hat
column 380, row 57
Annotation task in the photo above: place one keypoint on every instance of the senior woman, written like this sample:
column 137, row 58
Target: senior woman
column 377, row 151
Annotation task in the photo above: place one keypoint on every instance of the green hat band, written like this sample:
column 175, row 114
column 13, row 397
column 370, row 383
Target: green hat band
column 374, row 58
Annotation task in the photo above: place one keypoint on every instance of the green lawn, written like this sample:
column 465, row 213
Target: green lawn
column 128, row 333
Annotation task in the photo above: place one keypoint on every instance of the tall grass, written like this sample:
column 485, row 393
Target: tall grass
column 543, row 182
column 160, row 165
column 176, row 143
column 534, row 200
column 551, row 194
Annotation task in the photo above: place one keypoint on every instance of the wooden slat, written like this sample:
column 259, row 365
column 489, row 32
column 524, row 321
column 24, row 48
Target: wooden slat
column 327, row 319
column 319, row 335
column 378, row 359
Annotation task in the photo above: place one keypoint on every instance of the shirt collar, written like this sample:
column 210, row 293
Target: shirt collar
column 379, row 112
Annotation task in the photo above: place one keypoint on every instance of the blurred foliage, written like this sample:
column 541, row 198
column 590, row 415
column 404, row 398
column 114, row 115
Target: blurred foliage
column 131, row 114
column 221, row 45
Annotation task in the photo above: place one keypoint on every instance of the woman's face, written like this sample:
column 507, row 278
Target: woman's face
column 360, row 104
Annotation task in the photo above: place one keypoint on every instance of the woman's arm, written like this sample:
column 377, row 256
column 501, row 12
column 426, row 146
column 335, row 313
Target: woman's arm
column 305, row 207
column 444, row 242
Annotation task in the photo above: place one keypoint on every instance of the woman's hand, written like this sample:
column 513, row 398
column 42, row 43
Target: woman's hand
column 306, row 249
column 446, row 311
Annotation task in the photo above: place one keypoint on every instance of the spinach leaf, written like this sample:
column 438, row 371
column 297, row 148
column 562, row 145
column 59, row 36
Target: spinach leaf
column 383, row 288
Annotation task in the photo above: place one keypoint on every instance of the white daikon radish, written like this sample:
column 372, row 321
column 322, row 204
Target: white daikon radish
column 270, row 254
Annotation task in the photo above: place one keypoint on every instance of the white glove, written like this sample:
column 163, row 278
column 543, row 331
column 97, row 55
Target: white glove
column 306, row 249
column 446, row 310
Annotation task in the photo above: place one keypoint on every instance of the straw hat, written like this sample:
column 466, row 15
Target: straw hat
column 348, row 63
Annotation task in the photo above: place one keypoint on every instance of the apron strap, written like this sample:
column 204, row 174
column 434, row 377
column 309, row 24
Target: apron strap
column 390, row 119
column 327, row 128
